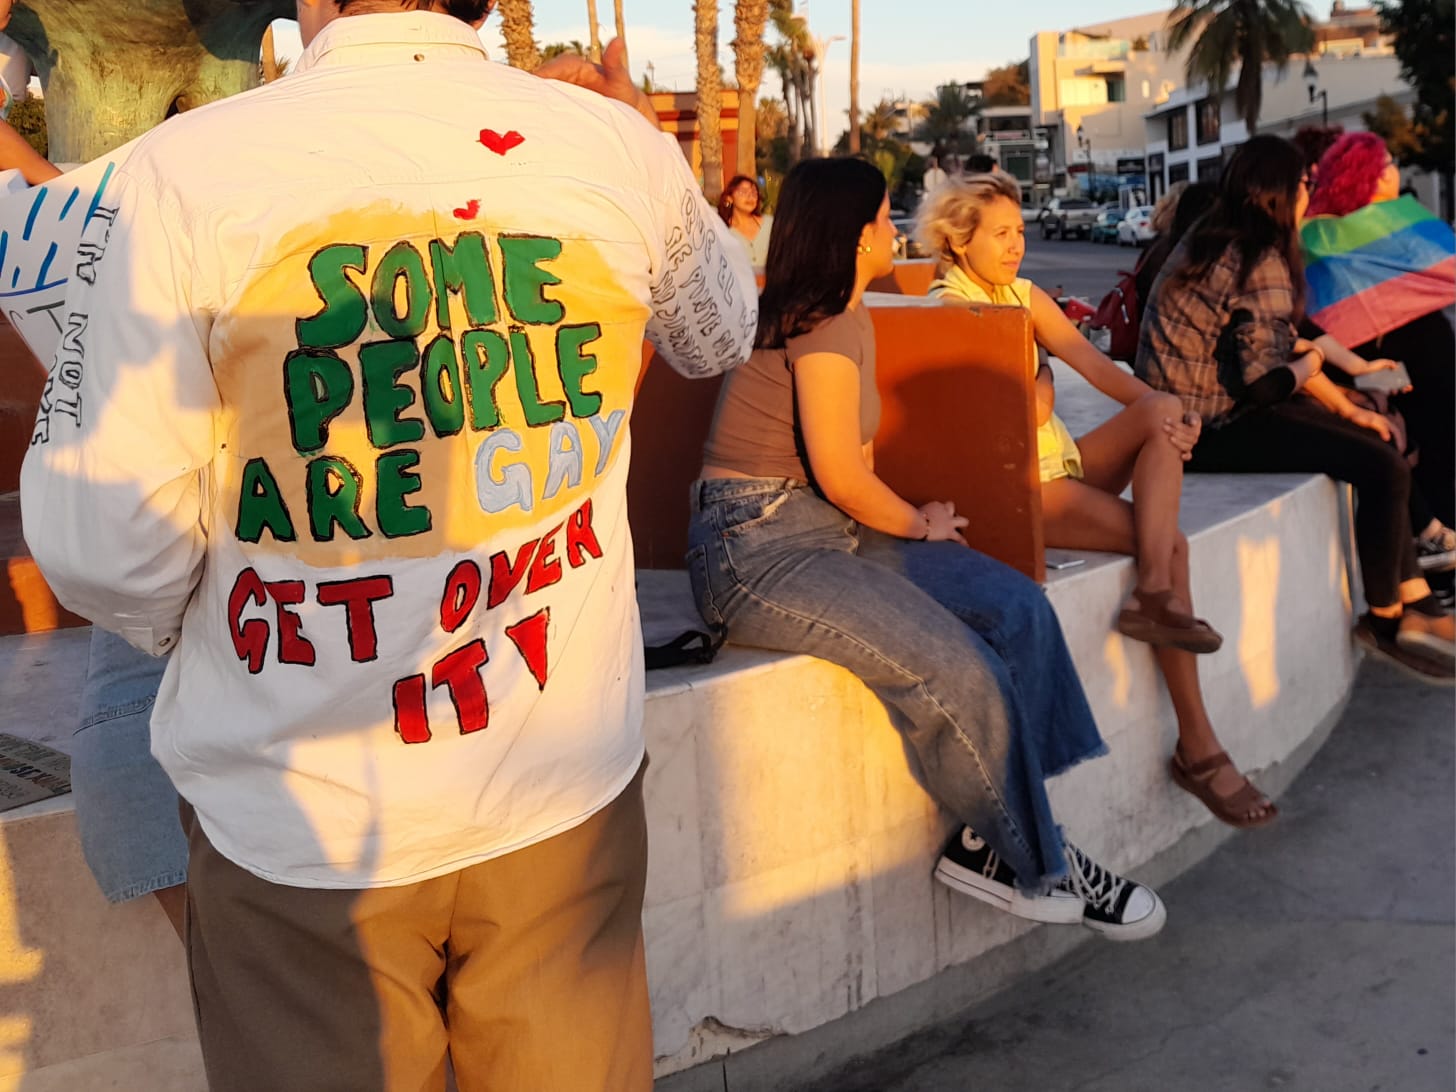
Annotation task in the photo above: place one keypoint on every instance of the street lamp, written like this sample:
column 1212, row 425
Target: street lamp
column 1311, row 81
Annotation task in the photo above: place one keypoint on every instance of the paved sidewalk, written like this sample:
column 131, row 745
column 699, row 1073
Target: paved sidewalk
column 1317, row 955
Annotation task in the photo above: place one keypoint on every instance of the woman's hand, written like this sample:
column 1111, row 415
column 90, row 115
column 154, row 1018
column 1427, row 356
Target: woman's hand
column 941, row 522
column 1381, row 365
column 1184, row 434
column 1365, row 418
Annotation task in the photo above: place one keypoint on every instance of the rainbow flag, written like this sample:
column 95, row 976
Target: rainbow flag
column 1377, row 268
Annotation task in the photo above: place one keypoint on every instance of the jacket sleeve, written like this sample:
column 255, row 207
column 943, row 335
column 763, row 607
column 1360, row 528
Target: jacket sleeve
column 704, row 296
column 1264, row 340
column 111, row 488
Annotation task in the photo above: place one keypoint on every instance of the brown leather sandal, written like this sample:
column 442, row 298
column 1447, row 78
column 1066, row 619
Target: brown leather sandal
column 1233, row 808
column 1156, row 623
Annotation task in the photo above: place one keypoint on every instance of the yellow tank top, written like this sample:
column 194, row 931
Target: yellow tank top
column 1056, row 451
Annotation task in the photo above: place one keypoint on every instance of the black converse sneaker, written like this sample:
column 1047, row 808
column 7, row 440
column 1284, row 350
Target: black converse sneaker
column 973, row 868
column 1119, row 909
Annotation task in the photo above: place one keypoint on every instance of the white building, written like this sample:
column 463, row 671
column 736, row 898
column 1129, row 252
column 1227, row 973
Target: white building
column 1192, row 134
column 1006, row 134
column 1092, row 87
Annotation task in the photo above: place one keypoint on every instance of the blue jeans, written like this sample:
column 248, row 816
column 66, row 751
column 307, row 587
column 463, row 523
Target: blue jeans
column 126, row 807
column 966, row 653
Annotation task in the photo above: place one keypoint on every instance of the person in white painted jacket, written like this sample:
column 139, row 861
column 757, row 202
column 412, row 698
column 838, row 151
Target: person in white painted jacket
column 341, row 419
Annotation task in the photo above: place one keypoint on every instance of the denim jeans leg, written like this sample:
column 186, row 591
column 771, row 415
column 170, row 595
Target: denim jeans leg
column 1014, row 616
column 126, row 807
column 791, row 580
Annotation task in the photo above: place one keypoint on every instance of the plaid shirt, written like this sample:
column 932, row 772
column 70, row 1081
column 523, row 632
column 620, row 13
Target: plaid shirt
column 1208, row 340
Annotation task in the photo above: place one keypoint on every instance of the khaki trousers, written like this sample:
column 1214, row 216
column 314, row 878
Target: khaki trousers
column 528, row 969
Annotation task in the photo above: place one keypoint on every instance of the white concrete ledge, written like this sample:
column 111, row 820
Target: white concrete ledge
column 790, row 881
column 789, row 884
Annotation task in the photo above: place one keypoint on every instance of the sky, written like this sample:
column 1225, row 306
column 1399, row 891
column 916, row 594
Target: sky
column 944, row 40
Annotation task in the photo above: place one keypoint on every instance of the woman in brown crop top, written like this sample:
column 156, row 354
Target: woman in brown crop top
column 797, row 545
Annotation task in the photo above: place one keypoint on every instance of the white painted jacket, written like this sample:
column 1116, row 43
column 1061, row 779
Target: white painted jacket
column 342, row 411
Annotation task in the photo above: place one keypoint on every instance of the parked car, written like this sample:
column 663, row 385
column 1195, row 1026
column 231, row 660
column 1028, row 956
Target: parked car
column 1136, row 227
column 1067, row 216
column 1104, row 228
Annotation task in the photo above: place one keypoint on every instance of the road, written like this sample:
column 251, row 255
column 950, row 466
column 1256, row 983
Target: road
column 1314, row 956
column 1080, row 268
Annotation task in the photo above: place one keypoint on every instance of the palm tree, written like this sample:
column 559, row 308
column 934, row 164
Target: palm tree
column 710, row 132
column 1247, row 31
column 792, row 57
column 595, row 35
column 879, row 123
column 749, row 18
column 946, row 114
column 516, row 29
column 779, row 57
column 621, row 21
column 853, row 77
column 551, row 50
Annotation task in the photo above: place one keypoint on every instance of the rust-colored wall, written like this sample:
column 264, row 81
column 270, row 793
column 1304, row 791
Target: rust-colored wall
column 910, row 277
column 958, row 425
column 677, row 113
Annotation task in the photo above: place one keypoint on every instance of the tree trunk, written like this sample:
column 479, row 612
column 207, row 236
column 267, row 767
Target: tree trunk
column 710, row 131
column 854, row 77
column 749, row 18
column 270, row 56
column 621, row 20
column 113, row 73
column 809, row 86
column 519, row 35
column 595, row 36
column 1249, row 91
column 791, row 110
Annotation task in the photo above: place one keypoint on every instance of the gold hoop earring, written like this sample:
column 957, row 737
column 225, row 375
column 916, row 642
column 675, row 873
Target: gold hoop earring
column 865, row 249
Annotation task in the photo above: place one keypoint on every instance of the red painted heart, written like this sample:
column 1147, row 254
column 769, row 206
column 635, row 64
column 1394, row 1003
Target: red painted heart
column 470, row 211
column 499, row 144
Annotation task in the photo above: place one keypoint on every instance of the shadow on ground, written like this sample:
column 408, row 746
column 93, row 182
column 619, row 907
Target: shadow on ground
column 1317, row 955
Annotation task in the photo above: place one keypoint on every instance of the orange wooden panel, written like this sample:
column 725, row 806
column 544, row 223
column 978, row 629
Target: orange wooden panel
column 22, row 379
column 670, row 421
column 27, row 605
column 959, row 421
column 958, row 424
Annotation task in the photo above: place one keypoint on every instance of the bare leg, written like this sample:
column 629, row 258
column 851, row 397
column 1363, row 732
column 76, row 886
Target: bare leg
column 1080, row 517
column 174, row 905
column 1132, row 445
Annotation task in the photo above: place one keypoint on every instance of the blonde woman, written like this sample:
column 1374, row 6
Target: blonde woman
column 974, row 226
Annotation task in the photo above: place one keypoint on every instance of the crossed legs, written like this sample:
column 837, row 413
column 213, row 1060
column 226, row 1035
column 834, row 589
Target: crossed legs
column 1089, row 515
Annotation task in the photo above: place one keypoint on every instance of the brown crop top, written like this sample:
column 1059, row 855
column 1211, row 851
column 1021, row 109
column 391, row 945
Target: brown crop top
column 755, row 430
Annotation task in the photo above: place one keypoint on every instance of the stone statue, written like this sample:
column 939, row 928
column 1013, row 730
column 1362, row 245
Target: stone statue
column 112, row 71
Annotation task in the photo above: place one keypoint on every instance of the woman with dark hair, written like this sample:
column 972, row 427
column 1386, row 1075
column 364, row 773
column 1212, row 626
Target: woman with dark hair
column 797, row 545
column 1219, row 332
column 741, row 207
column 1195, row 199
column 1381, row 272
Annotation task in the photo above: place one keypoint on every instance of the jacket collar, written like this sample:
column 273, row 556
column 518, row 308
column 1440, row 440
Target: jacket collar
column 341, row 41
